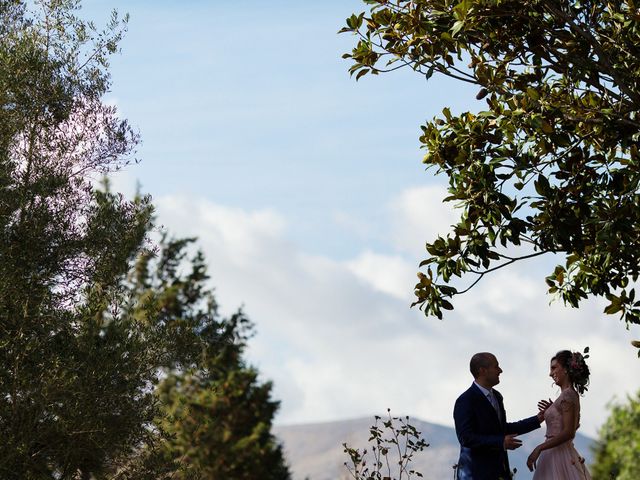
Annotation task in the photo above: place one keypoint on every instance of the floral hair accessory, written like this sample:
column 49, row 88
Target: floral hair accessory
column 578, row 370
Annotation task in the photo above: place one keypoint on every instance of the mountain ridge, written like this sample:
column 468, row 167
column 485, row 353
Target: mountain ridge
column 315, row 452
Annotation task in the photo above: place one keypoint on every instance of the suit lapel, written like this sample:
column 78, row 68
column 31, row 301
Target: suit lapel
column 503, row 415
column 483, row 400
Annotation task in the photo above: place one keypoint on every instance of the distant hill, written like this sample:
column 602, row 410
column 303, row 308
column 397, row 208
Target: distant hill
column 315, row 451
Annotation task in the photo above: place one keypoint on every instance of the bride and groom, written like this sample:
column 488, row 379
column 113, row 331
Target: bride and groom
column 485, row 435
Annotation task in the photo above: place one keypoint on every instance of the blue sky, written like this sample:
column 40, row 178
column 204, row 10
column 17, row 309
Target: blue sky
column 256, row 104
column 308, row 195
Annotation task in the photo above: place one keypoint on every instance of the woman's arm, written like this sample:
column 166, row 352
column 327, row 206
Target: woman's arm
column 568, row 407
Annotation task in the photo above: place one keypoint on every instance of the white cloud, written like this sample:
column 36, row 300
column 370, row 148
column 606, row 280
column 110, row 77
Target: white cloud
column 385, row 273
column 339, row 340
column 418, row 214
column 240, row 237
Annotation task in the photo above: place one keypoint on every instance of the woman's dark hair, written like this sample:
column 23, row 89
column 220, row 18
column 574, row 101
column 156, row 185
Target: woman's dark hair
column 576, row 367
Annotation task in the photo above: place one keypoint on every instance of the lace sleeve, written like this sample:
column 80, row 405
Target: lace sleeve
column 569, row 400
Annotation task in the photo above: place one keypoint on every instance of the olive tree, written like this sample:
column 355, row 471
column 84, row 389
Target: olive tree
column 74, row 389
column 92, row 316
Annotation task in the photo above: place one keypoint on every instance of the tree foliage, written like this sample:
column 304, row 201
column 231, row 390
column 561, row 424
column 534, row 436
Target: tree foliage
column 551, row 164
column 220, row 415
column 617, row 451
column 91, row 317
column 74, row 390
column 215, row 415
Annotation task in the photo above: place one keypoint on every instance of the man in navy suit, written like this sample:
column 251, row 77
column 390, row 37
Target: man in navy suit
column 481, row 424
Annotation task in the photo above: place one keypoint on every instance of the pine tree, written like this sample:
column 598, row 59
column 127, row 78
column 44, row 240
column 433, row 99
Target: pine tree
column 216, row 414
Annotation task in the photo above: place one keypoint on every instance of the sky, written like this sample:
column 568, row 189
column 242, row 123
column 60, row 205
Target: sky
column 308, row 196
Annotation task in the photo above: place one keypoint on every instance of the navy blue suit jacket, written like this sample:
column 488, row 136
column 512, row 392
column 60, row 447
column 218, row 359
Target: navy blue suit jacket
column 481, row 435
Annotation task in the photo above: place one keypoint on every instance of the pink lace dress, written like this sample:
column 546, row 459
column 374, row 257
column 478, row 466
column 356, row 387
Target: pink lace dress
column 563, row 461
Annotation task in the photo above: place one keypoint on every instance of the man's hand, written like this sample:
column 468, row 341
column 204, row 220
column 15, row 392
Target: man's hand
column 542, row 407
column 511, row 442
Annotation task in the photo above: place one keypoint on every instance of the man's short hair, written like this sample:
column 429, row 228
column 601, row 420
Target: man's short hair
column 480, row 360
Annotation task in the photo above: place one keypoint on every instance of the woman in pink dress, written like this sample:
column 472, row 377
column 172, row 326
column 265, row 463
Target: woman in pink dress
column 556, row 458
